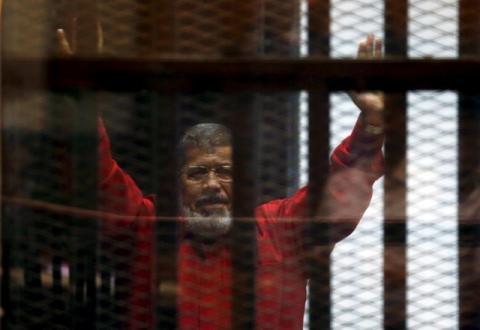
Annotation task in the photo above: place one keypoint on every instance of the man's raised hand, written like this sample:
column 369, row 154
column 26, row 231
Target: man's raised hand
column 370, row 103
column 67, row 48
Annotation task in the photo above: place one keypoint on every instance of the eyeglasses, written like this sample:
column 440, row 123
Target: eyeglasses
column 199, row 173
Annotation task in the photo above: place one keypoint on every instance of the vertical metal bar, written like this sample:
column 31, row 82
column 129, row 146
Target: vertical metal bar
column 319, row 28
column 153, row 30
column 281, row 37
column 42, row 250
column 34, row 297
column 45, row 237
column 281, row 28
column 84, row 161
column 86, row 12
column 240, row 31
column 319, row 240
column 469, row 28
column 164, row 169
column 7, row 236
column 59, row 132
column 18, row 250
column 6, row 230
column 155, row 27
column 469, row 175
column 32, row 276
column 244, row 244
column 394, row 229
column 396, row 17
column 242, row 37
column 82, row 134
column 7, row 246
column 396, row 27
column 469, row 224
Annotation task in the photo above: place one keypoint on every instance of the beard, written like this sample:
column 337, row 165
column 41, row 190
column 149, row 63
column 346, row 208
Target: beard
column 212, row 226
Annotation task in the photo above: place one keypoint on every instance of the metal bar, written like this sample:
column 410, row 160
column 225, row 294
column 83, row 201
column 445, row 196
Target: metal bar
column 394, row 272
column 280, row 19
column 468, row 174
column 164, row 169
column 44, row 177
column 254, row 75
column 6, row 229
column 395, row 214
column 33, row 284
column 155, row 35
column 243, row 241
column 469, row 28
column 281, row 28
column 469, row 224
column 48, row 165
column 319, row 28
column 84, row 161
column 82, row 137
column 158, row 29
column 396, row 28
column 7, row 244
column 8, row 237
column 319, row 238
column 86, row 13
column 242, row 38
column 54, row 187
column 240, row 32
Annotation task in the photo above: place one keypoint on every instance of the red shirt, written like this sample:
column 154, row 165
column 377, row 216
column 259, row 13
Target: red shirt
column 204, row 275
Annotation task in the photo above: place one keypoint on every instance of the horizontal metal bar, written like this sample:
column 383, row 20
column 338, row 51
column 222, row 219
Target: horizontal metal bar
column 242, row 74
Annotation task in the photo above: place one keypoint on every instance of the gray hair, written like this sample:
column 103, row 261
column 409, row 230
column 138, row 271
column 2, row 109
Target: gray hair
column 205, row 137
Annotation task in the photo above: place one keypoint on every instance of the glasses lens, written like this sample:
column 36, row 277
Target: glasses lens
column 200, row 173
column 196, row 173
column 224, row 173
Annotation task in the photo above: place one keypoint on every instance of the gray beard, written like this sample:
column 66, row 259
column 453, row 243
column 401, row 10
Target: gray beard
column 210, row 227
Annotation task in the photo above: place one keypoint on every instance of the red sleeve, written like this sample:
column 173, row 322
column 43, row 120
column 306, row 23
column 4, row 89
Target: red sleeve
column 127, row 232
column 355, row 165
column 119, row 194
column 359, row 151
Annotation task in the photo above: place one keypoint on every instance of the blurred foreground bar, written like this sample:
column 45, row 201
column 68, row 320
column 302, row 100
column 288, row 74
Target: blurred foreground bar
column 395, row 227
column 468, row 174
column 318, row 239
column 248, row 75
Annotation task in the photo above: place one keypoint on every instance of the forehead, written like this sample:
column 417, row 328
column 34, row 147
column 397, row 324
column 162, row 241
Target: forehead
column 212, row 156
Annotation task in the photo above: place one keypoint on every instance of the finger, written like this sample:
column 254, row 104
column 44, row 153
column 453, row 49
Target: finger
column 63, row 44
column 370, row 41
column 377, row 52
column 362, row 50
column 99, row 37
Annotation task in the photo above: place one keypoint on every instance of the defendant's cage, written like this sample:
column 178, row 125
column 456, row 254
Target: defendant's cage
column 164, row 66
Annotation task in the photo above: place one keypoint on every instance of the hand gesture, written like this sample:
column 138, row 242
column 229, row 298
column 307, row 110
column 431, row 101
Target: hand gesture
column 370, row 103
column 67, row 48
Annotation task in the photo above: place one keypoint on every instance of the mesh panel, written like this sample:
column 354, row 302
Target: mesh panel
column 357, row 261
column 83, row 247
column 432, row 224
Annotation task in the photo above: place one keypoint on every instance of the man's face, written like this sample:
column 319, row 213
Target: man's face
column 206, row 188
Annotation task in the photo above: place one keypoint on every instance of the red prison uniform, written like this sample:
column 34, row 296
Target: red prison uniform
column 204, row 276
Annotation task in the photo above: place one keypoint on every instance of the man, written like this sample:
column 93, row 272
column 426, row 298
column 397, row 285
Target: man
column 204, row 286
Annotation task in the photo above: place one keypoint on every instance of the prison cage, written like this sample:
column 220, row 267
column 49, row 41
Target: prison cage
column 274, row 71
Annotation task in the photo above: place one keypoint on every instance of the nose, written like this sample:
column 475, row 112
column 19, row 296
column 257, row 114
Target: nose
column 212, row 182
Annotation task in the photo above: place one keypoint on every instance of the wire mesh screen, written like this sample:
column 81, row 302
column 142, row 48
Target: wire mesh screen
column 101, row 215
